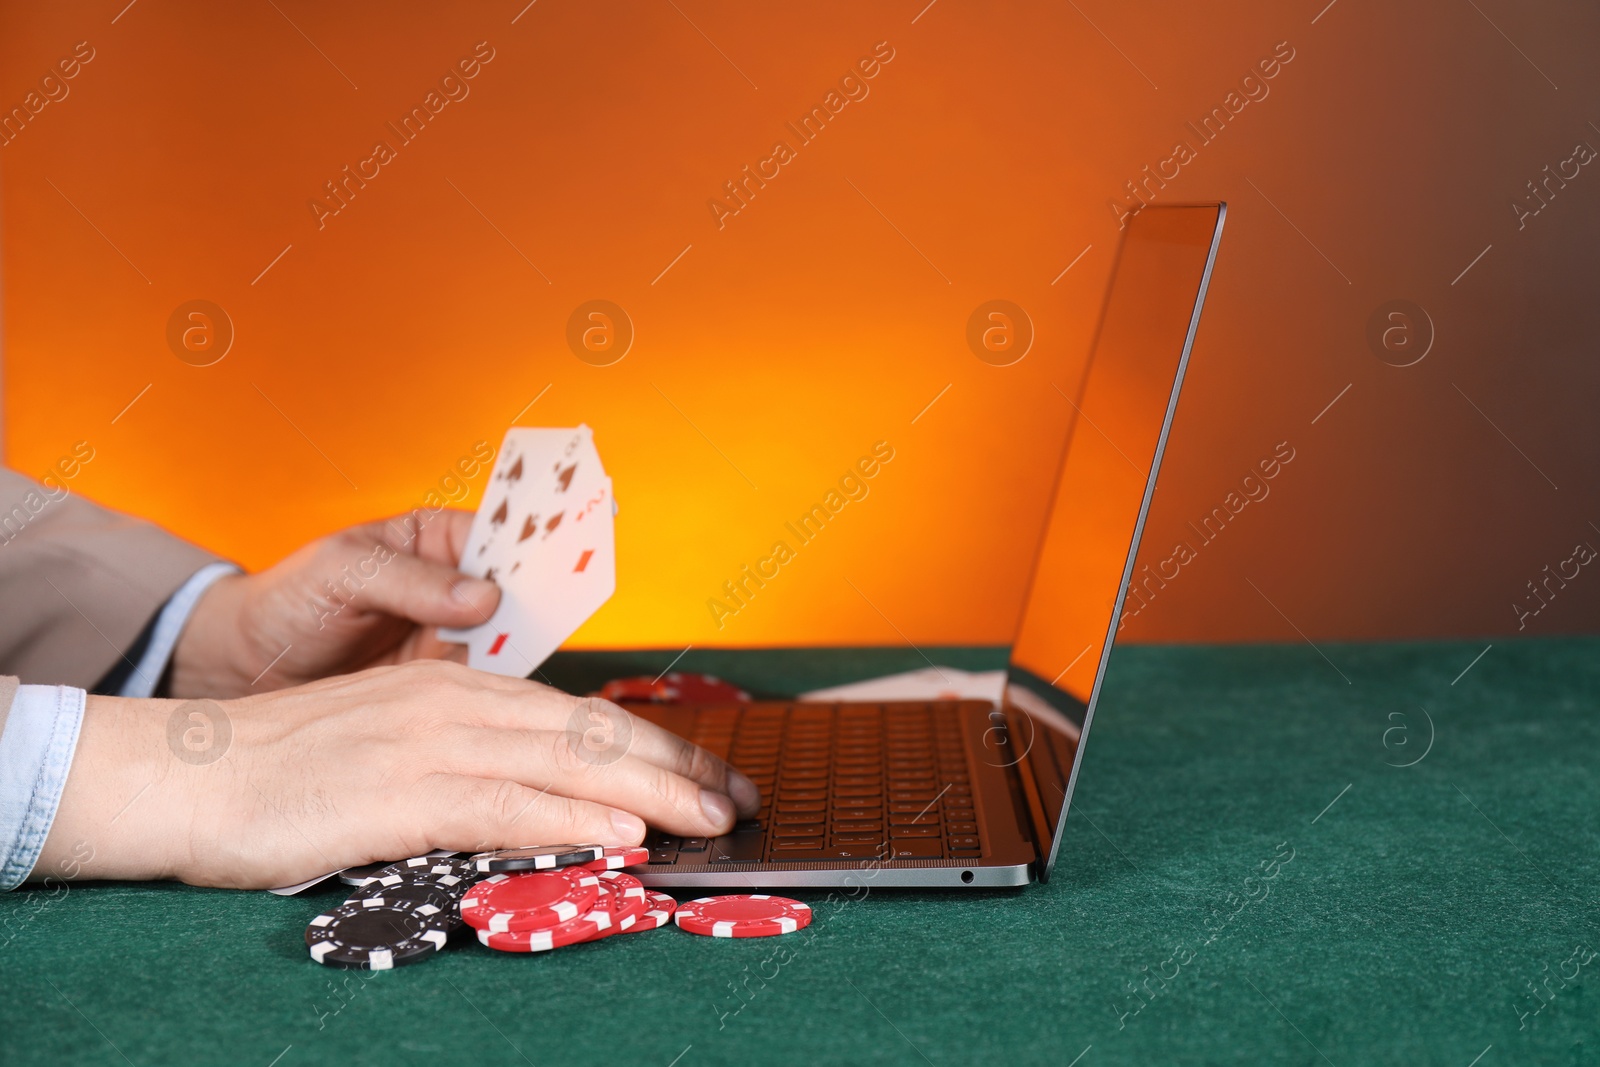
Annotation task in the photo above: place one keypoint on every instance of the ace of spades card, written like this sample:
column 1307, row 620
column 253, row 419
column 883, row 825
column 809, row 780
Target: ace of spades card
column 543, row 533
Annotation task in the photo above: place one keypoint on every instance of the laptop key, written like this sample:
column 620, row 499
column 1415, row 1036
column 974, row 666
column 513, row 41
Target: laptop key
column 918, row 850
column 692, row 844
column 741, row 846
column 810, row 829
column 786, row 796
column 852, row 813
column 788, row 807
column 795, row 817
column 909, row 818
column 914, row 831
column 789, row 843
column 856, row 839
column 965, row 842
column 963, row 827
column 864, row 851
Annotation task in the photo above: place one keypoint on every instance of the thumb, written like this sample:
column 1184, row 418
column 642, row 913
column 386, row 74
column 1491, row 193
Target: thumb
column 430, row 593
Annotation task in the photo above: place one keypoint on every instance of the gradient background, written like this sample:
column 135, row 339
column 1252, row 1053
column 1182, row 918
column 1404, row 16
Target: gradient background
column 828, row 314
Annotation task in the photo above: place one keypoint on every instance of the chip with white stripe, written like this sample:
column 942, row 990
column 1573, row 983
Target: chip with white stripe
column 743, row 915
column 377, row 934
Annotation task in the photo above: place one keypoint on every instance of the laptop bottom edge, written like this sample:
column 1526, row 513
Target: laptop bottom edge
column 853, row 876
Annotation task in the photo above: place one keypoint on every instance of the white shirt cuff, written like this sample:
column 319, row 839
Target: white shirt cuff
column 169, row 626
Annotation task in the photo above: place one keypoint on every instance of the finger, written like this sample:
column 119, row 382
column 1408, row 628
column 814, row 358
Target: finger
column 556, row 760
column 443, row 537
column 607, row 730
column 474, row 814
column 429, row 593
column 678, row 755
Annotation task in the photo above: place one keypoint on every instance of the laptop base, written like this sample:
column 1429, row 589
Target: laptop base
column 912, row 794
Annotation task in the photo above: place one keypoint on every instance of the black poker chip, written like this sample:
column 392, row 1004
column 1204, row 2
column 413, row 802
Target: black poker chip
column 536, row 858
column 368, row 871
column 377, row 933
column 444, row 870
column 361, row 875
column 393, row 887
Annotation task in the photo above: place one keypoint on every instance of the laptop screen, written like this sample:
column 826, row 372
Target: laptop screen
column 1119, row 415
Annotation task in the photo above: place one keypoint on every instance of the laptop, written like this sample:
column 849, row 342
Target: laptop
column 966, row 793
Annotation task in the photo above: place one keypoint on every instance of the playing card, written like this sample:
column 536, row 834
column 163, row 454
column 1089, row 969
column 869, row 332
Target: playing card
column 929, row 683
column 292, row 890
column 550, row 588
column 544, row 534
column 527, row 496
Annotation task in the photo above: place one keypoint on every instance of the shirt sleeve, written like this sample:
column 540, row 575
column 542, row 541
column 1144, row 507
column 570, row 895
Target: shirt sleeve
column 41, row 724
column 169, row 623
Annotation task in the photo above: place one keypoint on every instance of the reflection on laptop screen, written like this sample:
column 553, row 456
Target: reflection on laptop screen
column 1120, row 413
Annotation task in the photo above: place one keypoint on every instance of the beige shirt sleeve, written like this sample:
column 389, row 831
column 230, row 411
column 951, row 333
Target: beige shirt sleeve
column 78, row 582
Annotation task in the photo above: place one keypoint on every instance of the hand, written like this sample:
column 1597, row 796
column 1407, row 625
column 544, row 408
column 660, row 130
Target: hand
column 366, row 596
column 273, row 789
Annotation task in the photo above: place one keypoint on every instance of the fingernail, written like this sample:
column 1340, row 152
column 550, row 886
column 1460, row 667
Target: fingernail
column 718, row 809
column 744, row 792
column 472, row 590
column 629, row 827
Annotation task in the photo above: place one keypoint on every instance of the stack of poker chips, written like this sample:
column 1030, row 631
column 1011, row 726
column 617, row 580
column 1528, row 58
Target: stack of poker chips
column 401, row 913
column 531, row 899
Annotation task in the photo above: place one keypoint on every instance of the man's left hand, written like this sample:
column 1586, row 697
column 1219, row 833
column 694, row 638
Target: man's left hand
column 364, row 597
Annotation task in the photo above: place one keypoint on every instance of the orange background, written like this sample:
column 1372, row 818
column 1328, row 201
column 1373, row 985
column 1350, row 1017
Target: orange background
column 827, row 314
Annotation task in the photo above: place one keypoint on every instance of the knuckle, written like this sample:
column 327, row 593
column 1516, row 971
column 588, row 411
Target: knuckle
column 562, row 813
column 505, row 804
column 702, row 766
column 598, row 732
column 680, row 793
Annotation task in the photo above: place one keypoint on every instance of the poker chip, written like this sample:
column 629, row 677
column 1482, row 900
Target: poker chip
column 359, row 876
column 587, row 927
column 743, row 915
column 368, row 871
column 619, row 856
column 530, row 900
column 622, row 898
column 394, row 887
column 440, row 869
column 536, row 858
column 377, row 933
column 658, row 912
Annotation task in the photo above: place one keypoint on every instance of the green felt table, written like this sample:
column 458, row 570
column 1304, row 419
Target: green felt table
column 1438, row 913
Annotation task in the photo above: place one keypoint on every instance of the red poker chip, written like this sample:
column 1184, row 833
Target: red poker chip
column 743, row 915
column 619, row 856
column 530, row 900
column 623, row 896
column 657, row 913
column 676, row 687
column 589, row 927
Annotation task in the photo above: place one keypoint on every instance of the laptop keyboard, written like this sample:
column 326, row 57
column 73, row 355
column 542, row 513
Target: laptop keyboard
column 839, row 782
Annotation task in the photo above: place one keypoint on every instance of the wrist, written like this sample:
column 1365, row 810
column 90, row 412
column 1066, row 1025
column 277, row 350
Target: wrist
column 208, row 657
column 128, row 808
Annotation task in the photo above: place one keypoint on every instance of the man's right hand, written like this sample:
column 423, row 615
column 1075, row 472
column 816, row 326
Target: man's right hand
column 274, row 789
